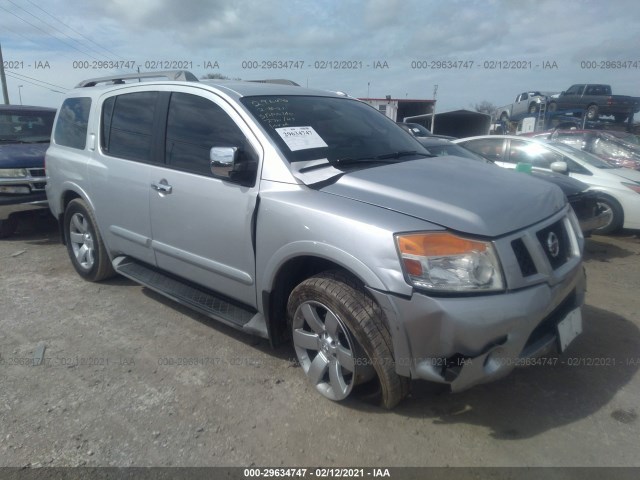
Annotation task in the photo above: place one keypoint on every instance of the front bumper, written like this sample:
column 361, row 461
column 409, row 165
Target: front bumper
column 10, row 204
column 465, row 341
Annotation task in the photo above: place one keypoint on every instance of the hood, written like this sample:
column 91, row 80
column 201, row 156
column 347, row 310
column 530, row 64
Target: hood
column 459, row 194
column 22, row 155
column 625, row 173
column 569, row 186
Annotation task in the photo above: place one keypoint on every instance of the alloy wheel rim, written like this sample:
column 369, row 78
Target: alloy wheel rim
column 325, row 349
column 81, row 241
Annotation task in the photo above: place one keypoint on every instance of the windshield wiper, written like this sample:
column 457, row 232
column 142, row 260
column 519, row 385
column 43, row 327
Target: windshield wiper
column 405, row 153
column 385, row 158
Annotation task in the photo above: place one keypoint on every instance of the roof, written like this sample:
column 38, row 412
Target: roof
column 233, row 88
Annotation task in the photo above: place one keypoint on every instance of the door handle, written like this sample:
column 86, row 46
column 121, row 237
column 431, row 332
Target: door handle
column 162, row 186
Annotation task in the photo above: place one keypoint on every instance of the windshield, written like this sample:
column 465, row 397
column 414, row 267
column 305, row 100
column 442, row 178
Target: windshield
column 582, row 155
column 340, row 130
column 612, row 147
column 25, row 127
column 456, row 150
column 417, row 130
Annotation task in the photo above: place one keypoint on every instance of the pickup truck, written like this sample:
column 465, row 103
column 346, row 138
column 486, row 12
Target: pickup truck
column 24, row 139
column 596, row 100
column 526, row 102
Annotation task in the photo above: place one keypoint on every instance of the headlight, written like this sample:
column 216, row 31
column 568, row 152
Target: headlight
column 13, row 172
column 444, row 262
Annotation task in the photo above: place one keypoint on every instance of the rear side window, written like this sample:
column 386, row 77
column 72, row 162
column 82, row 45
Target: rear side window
column 71, row 128
column 127, row 125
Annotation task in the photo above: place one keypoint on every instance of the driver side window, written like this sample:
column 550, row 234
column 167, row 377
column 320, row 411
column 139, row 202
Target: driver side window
column 194, row 125
column 532, row 153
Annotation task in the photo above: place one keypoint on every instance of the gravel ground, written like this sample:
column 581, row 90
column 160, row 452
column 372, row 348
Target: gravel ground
column 110, row 391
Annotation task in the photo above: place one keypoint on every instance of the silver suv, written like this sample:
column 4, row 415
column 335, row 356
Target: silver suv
column 306, row 215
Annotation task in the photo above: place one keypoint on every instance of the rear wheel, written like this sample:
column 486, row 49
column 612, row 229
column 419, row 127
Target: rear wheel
column 553, row 106
column 84, row 243
column 533, row 107
column 610, row 204
column 620, row 117
column 341, row 340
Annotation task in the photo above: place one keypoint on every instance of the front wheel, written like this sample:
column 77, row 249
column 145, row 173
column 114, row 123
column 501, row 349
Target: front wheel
column 341, row 339
column 609, row 204
column 84, row 243
column 592, row 112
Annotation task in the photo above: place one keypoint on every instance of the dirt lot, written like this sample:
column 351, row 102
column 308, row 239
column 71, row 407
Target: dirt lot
column 111, row 391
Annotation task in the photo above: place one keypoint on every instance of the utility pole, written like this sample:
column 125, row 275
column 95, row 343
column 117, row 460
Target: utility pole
column 433, row 111
column 3, row 80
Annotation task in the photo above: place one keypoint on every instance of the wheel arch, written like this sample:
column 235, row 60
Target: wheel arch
column 285, row 272
column 69, row 193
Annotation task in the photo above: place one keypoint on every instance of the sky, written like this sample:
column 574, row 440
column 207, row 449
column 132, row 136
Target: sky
column 473, row 51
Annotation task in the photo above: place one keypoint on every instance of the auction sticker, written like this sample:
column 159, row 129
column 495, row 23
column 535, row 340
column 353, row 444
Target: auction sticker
column 301, row 138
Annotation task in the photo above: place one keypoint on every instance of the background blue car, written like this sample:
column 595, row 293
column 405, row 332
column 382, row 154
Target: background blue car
column 24, row 138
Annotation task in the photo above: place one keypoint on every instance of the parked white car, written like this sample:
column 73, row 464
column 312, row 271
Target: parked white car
column 619, row 188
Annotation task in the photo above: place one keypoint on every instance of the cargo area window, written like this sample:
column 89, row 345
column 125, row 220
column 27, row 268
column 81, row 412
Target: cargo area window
column 71, row 128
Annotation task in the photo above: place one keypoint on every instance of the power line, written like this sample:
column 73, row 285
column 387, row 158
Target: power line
column 47, row 33
column 74, row 30
column 51, row 26
column 9, row 74
column 30, row 40
column 35, row 79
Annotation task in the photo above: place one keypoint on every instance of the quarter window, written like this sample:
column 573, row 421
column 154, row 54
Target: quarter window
column 71, row 127
column 127, row 125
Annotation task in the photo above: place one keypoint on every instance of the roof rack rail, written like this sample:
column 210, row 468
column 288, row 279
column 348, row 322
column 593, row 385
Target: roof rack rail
column 278, row 81
column 175, row 75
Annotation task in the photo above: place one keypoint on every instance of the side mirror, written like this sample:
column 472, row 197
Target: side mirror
column 222, row 160
column 560, row 167
column 230, row 163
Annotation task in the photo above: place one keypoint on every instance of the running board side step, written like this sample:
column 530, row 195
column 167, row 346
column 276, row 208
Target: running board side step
column 192, row 296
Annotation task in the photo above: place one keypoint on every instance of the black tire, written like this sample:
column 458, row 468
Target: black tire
column 592, row 112
column 504, row 118
column 361, row 353
column 8, row 227
column 617, row 220
column 620, row 117
column 533, row 107
column 84, row 243
column 552, row 107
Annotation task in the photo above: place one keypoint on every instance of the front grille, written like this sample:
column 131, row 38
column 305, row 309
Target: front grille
column 555, row 243
column 527, row 267
column 36, row 172
column 548, row 325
